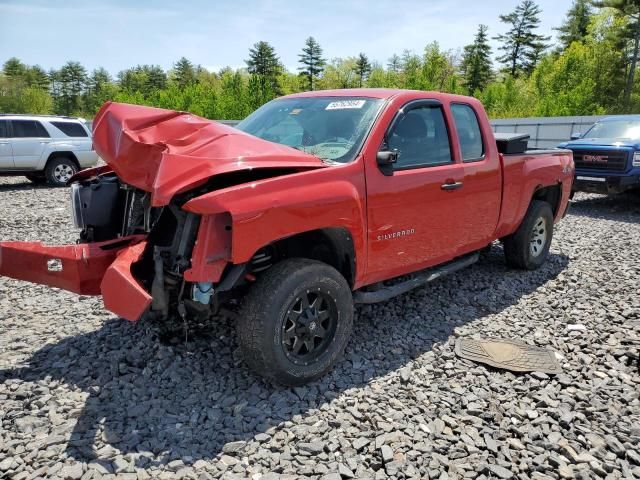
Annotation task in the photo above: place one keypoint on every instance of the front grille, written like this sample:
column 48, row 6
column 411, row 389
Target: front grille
column 606, row 160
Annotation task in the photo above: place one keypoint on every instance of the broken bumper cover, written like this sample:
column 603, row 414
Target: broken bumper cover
column 86, row 269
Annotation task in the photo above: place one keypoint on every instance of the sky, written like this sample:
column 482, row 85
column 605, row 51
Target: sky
column 117, row 34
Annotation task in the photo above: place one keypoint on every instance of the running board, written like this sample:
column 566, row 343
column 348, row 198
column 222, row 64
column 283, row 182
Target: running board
column 421, row 278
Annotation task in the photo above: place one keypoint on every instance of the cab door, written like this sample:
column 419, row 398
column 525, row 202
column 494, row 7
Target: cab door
column 482, row 197
column 6, row 153
column 29, row 140
column 413, row 206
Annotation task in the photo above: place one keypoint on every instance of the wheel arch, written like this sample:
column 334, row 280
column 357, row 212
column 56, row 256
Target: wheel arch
column 552, row 194
column 332, row 245
column 62, row 154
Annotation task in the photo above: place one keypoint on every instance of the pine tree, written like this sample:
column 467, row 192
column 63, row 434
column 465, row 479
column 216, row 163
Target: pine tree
column 362, row 68
column 36, row 77
column 72, row 78
column 264, row 66
column 522, row 46
column 184, row 73
column 156, row 77
column 263, row 61
column 14, row 68
column 575, row 26
column 312, row 61
column 631, row 10
column 99, row 89
column 394, row 64
column 476, row 62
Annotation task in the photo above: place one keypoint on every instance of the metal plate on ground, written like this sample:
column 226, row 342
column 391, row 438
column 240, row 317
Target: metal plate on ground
column 508, row 355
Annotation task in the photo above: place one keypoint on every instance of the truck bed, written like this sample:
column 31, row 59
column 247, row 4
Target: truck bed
column 523, row 174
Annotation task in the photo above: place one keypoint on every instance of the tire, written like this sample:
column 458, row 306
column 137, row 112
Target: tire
column 36, row 178
column 59, row 170
column 274, row 316
column 528, row 247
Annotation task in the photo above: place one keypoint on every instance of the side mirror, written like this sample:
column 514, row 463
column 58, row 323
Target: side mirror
column 386, row 157
column 575, row 136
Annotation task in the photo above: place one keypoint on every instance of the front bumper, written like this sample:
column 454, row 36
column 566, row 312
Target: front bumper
column 596, row 183
column 86, row 269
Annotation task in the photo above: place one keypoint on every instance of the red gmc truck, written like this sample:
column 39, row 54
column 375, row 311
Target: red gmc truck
column 314, row 202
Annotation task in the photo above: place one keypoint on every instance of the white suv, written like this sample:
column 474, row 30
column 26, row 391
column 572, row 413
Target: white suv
column 45, row 148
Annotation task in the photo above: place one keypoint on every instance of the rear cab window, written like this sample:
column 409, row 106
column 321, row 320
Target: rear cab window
column 71, row 129
column 469, row 133
column 28, row 129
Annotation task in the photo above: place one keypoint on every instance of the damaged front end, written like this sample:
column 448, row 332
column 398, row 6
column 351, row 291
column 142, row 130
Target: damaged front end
column 168, row 274
column 131, row 253
column 138, row 247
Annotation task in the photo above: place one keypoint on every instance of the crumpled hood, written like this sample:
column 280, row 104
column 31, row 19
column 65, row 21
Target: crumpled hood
column 166, row 152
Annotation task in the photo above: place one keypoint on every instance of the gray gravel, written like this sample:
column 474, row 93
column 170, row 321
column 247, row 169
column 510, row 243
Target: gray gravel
column 86, row 395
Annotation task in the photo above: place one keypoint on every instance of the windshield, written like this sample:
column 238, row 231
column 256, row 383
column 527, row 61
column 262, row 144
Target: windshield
column 331, row 128
column 615, row 129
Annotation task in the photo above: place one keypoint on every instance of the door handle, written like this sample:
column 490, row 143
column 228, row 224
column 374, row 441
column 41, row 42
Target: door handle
column 451, row 186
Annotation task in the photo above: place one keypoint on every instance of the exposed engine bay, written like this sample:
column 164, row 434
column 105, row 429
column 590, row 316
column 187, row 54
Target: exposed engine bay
column 105, row 208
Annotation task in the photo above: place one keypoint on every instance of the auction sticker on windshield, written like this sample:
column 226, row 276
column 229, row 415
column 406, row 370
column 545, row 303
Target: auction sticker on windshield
column 342, row 104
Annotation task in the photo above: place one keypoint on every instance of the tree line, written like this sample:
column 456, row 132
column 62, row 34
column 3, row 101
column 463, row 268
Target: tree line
column 590, row 70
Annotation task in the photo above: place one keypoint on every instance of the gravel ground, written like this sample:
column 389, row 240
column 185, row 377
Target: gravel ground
column 86, row 395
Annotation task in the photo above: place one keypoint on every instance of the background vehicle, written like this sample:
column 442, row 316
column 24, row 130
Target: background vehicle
column 607, row 156
column 45, row 148
column 315, row 201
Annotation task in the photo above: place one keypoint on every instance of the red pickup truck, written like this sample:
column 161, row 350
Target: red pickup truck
column 314, row 202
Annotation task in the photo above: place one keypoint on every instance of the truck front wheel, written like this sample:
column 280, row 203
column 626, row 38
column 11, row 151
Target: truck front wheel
column 529, row 246
column 295, row 321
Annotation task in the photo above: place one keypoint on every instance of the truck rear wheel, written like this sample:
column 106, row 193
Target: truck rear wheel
column 528, row 247
column 295, row 321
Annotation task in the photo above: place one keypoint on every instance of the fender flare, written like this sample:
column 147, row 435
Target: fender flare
column 273, row 209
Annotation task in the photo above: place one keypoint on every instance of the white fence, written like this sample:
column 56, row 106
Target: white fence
column 545, row 132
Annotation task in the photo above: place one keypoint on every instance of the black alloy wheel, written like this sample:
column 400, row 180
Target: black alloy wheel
column 309, row 326
column 295, row 321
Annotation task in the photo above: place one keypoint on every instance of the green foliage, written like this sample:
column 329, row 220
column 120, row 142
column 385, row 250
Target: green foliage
column 312, row 62
column 591, row 74
column 476, row 62
column 438, row 71
column 576, row 26
column 630, row 10
column 394, row 63
column 264, row 67
column 566, row 85
column 522, row 47
column 184, row 73
column 509, row 98
column 14, row 68
column 263, row 60
column 610, row 64
column 362, row 68
column 16, row 96
column 149, row 78
column 68, row 85
column 340, row 73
